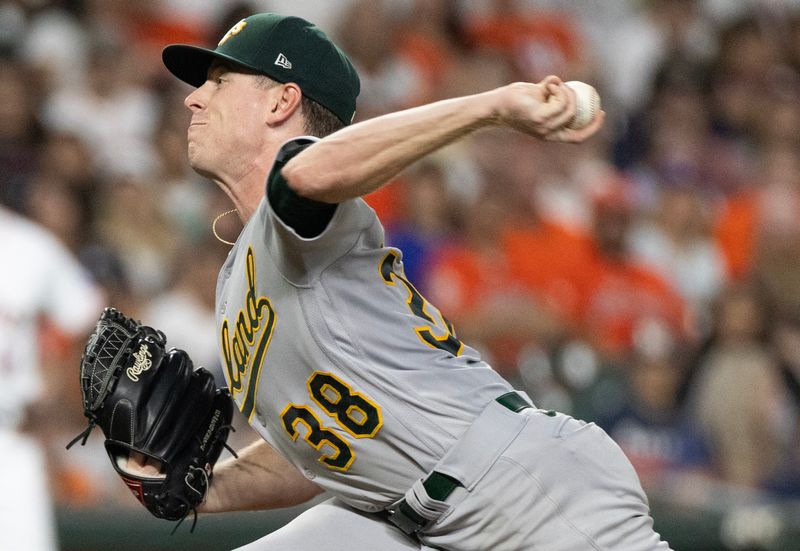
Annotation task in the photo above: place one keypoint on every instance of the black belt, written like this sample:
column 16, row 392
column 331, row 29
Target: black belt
column 439, row 486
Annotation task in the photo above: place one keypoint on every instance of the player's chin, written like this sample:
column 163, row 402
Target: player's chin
column 197, row 160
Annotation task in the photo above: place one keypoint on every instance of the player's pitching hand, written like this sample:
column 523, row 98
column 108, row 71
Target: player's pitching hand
column 543, row 110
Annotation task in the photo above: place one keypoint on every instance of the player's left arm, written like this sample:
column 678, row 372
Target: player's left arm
column 361, row 158
column 260, row 478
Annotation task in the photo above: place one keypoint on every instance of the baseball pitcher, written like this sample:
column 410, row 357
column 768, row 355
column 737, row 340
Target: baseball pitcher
column 357, row 385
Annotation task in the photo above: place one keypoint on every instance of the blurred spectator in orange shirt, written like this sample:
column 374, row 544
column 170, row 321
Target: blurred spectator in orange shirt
column 759, row 230
column 547, row 258
column 618, row 296
column 534, row 43
column 472, row 283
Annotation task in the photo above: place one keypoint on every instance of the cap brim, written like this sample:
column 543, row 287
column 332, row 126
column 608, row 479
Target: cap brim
column 191, row 63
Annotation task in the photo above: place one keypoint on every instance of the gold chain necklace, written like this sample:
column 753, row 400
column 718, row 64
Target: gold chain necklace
column 214, row 226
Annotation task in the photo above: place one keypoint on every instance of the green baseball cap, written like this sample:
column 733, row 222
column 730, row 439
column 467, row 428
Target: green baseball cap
column 284, row 48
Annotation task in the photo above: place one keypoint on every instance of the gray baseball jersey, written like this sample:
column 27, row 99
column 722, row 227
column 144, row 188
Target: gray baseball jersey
column 343, row 367
column 337, row 360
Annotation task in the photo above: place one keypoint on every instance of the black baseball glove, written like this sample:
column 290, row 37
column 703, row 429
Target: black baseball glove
column 151, row 401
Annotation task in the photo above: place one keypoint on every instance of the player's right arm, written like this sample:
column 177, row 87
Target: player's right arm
column 258, row 479
column 361, row 158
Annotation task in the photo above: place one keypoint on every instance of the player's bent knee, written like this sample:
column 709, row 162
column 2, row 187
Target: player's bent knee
column 333, row 525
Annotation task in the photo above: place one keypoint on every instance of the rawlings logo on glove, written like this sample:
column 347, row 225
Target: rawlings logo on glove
column 162, row 412
column 142, row 363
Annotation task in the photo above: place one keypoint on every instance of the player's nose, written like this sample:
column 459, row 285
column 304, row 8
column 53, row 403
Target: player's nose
column 196, row 101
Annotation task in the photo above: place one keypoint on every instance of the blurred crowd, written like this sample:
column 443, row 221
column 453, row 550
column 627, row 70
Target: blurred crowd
column 648, row 280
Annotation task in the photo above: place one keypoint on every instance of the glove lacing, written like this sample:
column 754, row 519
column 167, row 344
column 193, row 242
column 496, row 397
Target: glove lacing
column 225, row 444
column 195, row 472
column 85, row 435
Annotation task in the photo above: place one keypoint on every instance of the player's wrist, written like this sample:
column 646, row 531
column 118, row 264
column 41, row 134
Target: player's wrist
column 516, row 106
column 214, row 501
column 493, row 107
column 210, row 503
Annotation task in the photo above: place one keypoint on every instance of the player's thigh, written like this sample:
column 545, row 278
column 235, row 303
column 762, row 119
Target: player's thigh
column 334, row 526
column 562, row 485
column 598, row 495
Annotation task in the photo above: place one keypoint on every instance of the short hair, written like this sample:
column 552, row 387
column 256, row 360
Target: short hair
column 318, row 121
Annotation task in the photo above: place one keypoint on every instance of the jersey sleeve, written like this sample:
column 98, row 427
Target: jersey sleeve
column 304, row 236
column 308, row 218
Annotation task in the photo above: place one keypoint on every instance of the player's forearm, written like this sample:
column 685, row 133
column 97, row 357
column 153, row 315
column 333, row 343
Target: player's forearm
column 259, row 479
column 360, row 158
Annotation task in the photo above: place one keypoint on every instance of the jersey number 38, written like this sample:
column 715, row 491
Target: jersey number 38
column 352, row 411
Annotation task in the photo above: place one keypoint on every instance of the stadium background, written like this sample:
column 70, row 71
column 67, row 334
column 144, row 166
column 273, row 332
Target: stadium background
column 647, row 280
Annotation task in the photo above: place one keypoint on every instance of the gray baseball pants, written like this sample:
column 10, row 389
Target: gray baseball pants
column 531, row 480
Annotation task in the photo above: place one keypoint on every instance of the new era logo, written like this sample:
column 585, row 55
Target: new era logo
column 283, row 62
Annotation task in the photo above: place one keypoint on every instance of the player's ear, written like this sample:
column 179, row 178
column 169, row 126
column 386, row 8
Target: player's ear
column 284, row 101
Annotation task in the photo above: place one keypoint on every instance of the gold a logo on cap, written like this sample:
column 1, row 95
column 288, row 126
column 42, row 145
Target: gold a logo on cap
column 236, row 29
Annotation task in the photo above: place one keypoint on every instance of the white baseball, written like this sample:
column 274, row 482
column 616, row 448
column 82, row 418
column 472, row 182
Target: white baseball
column 587, row 104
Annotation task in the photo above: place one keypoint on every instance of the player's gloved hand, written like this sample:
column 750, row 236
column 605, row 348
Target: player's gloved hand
column 152, row 405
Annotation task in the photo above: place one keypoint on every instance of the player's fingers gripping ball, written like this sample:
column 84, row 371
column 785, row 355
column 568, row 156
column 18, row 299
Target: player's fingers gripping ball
column 587, row 104
column 156, row 411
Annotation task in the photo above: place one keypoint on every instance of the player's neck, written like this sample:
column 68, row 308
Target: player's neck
column 247, row 186
column 245, row 183
column 245, row 193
